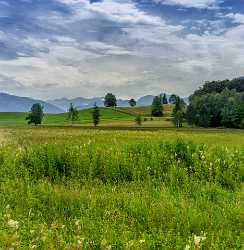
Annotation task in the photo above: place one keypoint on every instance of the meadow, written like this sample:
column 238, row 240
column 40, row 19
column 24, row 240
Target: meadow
column 77, row 188
column 116, row 117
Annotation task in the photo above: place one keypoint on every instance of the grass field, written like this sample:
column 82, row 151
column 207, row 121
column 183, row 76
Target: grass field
column 107, row 114
column 124, row 117
column 76, row 188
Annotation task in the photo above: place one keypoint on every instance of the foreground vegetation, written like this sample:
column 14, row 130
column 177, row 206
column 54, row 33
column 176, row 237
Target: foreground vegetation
column 83, row 189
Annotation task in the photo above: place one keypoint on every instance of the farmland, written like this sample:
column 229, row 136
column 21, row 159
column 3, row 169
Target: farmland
column 79, row 188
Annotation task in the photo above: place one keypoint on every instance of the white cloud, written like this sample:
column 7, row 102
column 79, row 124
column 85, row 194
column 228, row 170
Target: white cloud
column 200, row 4
column 236, row 17
column 115, row 46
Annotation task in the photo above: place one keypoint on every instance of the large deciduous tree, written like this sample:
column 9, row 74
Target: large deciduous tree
column 110, row 100
column 96, row 115
column 36, row 114
column 157, row 108
column 132, row 102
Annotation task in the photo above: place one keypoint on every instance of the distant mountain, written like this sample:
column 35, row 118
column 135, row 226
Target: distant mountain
column 145, row 100
column 83, row 103
column 11, row 103
column 79, row 102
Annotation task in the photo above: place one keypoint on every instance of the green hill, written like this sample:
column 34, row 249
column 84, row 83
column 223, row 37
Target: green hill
column 146, row 110
column 109, row 116
column 85, row 116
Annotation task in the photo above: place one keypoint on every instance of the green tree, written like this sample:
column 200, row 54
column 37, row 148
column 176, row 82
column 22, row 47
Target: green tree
column 138, row 120
column 172, row 99
column 36, row 114
column 178, row 111
column 164, row 99
column 110, row 100
column 73, row 113
column 132, row 102
column 157, row 108
column 211, row 107
column 178, row 118
column 96, row 115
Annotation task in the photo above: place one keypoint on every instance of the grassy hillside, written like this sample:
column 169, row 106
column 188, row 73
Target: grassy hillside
column 107, row 114
column 146, row 110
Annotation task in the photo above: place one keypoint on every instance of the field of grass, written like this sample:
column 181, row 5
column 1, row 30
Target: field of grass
column 115, row 117
column 107, row 114
column 73, row 188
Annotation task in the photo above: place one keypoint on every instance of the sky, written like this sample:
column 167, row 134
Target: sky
column 69, row 48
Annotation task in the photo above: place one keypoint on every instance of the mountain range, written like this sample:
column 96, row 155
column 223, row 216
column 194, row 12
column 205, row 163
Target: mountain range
column 12, row 103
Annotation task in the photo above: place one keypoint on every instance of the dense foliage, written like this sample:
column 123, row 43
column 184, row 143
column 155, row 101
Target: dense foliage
column 164, row 99
column 96, row 115
column 218, row 104
column 157, row 107
column 132, row 102
column 36, row 114
column 110, row 100
column 178, row 111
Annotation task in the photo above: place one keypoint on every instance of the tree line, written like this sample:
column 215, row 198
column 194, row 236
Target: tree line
column 215, row 104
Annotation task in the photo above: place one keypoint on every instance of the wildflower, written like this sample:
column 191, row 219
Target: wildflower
column 187, row 247
column 79, row 242
column 141, row 241
column 13, row 224
column 105, row 245
column 198, row 240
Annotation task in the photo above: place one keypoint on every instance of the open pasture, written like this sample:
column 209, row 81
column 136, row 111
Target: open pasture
column 77, row 188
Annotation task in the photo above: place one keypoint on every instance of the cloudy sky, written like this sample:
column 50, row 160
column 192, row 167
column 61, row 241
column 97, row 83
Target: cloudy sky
column 56, row 48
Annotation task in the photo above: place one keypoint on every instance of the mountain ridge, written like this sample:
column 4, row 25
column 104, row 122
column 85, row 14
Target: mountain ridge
column 13, row 103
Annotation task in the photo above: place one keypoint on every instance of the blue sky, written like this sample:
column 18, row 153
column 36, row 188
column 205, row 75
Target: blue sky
column 56, row 48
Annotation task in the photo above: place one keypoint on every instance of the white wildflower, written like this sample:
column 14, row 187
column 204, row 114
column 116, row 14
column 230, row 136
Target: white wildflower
column 198, row 240
column 187, row 247
column 13, row 224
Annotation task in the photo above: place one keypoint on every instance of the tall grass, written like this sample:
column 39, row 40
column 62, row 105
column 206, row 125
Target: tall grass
column 137, row 195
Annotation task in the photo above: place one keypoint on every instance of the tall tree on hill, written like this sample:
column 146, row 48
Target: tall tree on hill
column 172, row 99
column 96, row 115
column 157, row 108
column 36, row 114
column 164, row 99
column 132, row 102
column 110, row 100
column 73, row 113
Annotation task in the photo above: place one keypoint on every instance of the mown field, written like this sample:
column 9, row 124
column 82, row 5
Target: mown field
column 73, row 188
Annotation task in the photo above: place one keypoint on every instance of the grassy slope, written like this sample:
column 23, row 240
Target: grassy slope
column 119, row 117
column 146, row 111
column 15, row 118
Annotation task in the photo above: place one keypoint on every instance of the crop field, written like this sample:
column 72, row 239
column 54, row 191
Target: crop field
column 77, row 188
